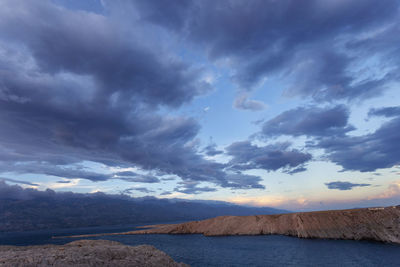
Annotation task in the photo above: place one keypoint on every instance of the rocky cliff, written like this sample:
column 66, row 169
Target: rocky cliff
column 379, row 224
column 85, row 253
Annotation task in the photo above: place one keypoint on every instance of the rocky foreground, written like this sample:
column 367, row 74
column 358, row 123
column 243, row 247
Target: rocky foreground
column 85, row 253
column 378, row 224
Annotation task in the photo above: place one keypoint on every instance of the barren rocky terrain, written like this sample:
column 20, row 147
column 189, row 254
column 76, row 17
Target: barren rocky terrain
column 85, row 253
column 379, row 224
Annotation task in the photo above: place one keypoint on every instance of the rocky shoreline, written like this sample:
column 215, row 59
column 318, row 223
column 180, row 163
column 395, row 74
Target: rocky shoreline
column 86, row 253
column 378, row 224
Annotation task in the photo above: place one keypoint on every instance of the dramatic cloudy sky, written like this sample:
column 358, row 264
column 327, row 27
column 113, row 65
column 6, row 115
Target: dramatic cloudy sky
column 290, row 104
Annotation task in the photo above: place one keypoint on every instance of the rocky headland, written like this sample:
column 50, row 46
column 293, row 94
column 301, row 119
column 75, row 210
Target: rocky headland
column 378, row 224
column 85, row 253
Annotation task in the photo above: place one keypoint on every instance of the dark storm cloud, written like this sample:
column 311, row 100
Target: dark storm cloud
column 329, row 128
column 71, row 93
column 385, row 112
column 365, row 153
column 77, row 86
column 313, row 44
column 271, row 157
column 121, row 67
column 344, row 185
column 309, row 121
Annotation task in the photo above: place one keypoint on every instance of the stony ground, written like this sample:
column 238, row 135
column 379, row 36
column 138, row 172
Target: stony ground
column 85, row 253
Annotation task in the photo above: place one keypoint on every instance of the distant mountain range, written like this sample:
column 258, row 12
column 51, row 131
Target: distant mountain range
column 30, row 209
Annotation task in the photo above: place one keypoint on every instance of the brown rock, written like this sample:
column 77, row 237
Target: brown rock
column 379, row 224
column 85, row 253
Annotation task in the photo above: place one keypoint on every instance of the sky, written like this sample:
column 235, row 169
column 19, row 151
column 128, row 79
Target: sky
column 288, row 104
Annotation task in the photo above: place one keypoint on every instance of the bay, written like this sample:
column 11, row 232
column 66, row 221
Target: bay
column 198, row 250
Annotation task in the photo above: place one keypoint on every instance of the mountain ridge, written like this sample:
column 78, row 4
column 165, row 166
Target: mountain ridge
column 31, row 209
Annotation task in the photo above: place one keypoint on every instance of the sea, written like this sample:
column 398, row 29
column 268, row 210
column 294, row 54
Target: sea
column 198, row 250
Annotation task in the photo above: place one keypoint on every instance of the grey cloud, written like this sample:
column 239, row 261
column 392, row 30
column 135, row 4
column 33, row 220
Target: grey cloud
column 366, row 152
column 171, row 14
column 385, row 112
column 139, row 189
column 297, row 170
column 17, row 181
column 329, row 127
column 234, row 180
column 168, row 178
column 87, row 5
column 243, row 181
column 54, row 170
column 195, row 190
column 308, row 38
column 309, row 121
column 242, row 102
column 258, row 122
column 191, row 187
column 271, row 157
column 141, row 179
column 74, row 172
column 130, row 176
column 125, row 173
column 323, row 75
column 211, row 150
column 70, row 94
column 344, row 185
column 121, row 67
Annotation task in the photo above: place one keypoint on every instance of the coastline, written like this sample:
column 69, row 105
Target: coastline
column 377, row 224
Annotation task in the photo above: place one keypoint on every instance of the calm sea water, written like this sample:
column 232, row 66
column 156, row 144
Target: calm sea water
column 198, row 250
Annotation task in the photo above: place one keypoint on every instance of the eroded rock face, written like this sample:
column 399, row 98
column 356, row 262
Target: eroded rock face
column 85, row 253
column 379, row 224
